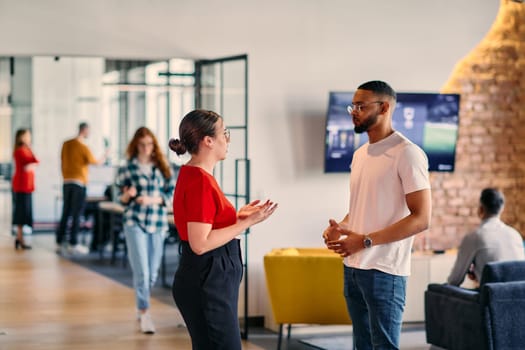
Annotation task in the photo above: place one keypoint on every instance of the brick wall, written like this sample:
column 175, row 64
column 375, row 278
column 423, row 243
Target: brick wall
column 491, row 139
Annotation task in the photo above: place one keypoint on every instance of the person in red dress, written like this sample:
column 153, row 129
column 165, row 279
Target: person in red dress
column 23, row 185
column 206, row 284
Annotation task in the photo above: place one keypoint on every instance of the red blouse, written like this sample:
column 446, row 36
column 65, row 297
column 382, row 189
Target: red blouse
column 198, row 198
column 23, row 180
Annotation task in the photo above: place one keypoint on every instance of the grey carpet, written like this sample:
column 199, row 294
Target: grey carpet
column 412, row 338
column 343, row 342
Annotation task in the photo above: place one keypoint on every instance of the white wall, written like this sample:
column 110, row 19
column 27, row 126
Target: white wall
column 6, row 140
column 298, row 51
column 65, row 93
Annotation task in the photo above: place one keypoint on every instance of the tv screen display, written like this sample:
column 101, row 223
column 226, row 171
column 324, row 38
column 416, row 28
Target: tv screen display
column 430, row 120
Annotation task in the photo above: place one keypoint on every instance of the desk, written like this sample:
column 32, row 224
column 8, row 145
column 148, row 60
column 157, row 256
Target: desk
column 114, row 212
column 91, row 201
column 172, row 238
column 90, row 209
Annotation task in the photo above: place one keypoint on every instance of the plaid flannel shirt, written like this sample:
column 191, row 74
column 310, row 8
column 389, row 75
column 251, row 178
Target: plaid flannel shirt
column 151, row 218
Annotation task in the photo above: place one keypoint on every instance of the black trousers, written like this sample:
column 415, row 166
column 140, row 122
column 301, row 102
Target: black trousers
column 74, row 199
column 206, row 291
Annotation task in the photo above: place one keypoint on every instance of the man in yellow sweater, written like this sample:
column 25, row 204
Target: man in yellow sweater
column 75, row 157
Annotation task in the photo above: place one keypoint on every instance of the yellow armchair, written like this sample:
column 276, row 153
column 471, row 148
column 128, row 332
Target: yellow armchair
column 305, row 286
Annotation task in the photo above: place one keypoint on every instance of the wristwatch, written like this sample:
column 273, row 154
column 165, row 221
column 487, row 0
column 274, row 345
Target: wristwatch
column 367, row 242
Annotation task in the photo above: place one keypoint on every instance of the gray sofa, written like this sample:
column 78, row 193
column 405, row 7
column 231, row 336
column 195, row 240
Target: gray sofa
column 492, row 317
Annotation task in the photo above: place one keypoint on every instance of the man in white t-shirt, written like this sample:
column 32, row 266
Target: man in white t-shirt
column 390, row 202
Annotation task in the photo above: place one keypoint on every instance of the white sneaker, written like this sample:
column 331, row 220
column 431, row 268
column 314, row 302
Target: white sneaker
column 78, row 249
column 59, row 249
column 146, row 324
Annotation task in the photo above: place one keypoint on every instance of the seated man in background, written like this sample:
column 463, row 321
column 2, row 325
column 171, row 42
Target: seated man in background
column 493, row 240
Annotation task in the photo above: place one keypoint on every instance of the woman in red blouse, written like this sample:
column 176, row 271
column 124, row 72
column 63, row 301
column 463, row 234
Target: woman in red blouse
column 23, row 185
column 206, row 284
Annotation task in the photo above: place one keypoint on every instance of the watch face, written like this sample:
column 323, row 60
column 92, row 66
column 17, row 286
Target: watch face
column 367, row 242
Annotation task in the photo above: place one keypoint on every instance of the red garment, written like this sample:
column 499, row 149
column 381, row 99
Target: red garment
column 198, row 198
column 23, row 180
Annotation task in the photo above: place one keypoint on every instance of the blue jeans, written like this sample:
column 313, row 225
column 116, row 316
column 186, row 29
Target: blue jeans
column 145, row 255
column 375, row 301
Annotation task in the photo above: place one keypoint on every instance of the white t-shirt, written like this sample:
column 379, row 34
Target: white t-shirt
column 147, row 169
column 381, row 175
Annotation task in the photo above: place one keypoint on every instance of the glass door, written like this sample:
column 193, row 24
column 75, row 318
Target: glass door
column 222, row 86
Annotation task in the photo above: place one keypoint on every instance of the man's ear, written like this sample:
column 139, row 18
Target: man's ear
column 385, row 106
column 481, row 211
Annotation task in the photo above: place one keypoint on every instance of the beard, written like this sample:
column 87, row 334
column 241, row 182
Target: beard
column 366, row 124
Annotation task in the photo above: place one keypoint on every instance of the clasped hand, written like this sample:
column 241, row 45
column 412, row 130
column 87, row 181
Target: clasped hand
column 342, row 240
column 256, row 211
column 132, row 192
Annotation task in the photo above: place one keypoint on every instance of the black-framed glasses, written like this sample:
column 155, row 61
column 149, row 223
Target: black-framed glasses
column 359, row 107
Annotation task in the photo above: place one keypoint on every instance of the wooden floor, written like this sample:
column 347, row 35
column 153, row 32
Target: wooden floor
column 49, row 303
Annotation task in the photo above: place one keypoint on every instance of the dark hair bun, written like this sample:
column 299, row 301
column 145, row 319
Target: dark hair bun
column 177, row 146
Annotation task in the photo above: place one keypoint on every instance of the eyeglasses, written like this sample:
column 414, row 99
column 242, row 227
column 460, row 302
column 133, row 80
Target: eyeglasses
column 359, row 107
column 227, row 134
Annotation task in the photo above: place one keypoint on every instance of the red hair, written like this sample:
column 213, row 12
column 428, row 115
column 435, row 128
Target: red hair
column 158, row 157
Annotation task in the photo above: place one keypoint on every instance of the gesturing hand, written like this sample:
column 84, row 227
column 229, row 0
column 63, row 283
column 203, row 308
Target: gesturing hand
column 248, row 209
column 256, row 212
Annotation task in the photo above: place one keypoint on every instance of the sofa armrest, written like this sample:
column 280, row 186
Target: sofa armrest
column 471, row 295
column 504, row 305
column 453, row 318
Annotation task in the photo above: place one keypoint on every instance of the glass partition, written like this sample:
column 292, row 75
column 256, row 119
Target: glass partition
column 52, row 95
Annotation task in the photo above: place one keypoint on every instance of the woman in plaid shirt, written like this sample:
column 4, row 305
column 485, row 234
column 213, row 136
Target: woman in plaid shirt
column 147, row 188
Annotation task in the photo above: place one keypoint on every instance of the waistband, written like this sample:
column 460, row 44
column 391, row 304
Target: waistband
column 73, row 182
column 232, row 248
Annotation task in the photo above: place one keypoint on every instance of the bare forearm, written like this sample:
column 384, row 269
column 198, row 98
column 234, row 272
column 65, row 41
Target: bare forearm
column 203, row 238
column 419, row 206
column 406, row 227
column 216, row 238
column 156, row 200
column 125, row 198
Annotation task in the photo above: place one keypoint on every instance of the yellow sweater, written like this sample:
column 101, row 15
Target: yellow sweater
column 76, row 157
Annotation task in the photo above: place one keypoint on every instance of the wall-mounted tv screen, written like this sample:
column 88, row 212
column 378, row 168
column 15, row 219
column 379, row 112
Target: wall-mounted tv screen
column 430, row 120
